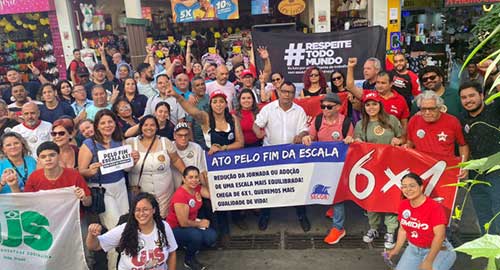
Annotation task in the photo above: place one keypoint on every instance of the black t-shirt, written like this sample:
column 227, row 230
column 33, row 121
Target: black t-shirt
column 368, row 86
column 402, row 84
column 482, row 139
column 31, row 87
column 51, row 116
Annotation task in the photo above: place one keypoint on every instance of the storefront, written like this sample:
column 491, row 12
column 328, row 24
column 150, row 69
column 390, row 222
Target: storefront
column 29, row 33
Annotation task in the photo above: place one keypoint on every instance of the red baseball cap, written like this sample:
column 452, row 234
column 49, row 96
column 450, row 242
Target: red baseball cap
column 246, row 72
column 371, row 95
column 218, row 93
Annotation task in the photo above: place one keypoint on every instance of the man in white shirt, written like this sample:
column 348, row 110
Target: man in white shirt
column 221, row 83
column 34, row 130
column 282, row 122
column 177, row 113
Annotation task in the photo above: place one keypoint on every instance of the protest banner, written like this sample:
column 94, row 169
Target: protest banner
column 115, row 159
column 293, row 52
column 41, row 230
column 372, row 176
column 194, row 10
column 275, row 176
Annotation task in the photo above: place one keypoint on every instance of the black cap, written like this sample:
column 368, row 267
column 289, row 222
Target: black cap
column 98, row 67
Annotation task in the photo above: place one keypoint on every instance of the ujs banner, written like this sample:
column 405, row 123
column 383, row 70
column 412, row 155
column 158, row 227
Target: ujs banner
column 275, row 176
column 204, row 10
column 41, row 230
column 293, row 52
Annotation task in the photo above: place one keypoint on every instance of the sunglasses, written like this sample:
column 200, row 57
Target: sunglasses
column 276, row 80
column 328, row 107
column 314, row 75
column 432, row 78
column 59, row 133
column 336, row 78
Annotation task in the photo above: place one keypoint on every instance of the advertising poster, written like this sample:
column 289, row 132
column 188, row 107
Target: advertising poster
column 204, row 10
column 260, row 7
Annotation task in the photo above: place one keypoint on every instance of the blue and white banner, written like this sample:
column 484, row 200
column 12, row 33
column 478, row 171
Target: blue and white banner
column 275, row 176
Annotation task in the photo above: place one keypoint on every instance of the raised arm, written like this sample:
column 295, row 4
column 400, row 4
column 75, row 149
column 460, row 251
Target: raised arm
column 198, row 115
column 188, row 56
column 351, row 87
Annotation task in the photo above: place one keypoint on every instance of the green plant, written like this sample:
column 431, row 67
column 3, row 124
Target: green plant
column 487, row 246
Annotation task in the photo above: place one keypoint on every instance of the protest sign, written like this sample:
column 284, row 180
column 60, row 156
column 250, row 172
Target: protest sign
column 115, row 159
column 194, row 10
column 293, row 52
column 275, row 176
column 41, row 230
column 372, row 176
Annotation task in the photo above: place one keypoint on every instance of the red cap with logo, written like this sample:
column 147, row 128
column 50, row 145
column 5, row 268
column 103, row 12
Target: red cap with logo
column 218, row 93
column 371, row 95
column 246, row 72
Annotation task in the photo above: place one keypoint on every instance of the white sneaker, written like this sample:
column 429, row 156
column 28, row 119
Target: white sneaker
column 389, row 241
column 370, row 235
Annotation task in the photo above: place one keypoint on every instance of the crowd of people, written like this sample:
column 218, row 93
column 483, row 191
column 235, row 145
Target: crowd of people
column 172, row 110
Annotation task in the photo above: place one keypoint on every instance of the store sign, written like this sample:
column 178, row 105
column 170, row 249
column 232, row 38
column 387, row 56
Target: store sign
column 468, row 2
column 293, row 52
column 260, row 7
column 291, row 7
column 207, row 10
column 24, row 6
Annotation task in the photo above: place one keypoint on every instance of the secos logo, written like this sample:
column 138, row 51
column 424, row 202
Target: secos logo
column 315, row 53
column 29, row 227
column 320, row 192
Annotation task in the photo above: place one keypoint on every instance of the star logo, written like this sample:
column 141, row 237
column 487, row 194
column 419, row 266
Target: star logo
column 442, row 136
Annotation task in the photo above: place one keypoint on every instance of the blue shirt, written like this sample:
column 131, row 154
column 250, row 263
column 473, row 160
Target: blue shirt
column 92, row 110
column 51, row 115
column 78, row 109
column 31, row 166
column 105, row 178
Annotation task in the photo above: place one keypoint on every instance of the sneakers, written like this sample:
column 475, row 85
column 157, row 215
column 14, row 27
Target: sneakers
column 370, row 235
column 334, row 236
column 194, row 264
column 389, row 241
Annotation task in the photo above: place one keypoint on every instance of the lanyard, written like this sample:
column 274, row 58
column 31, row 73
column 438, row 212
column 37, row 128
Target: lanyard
column 25, row 167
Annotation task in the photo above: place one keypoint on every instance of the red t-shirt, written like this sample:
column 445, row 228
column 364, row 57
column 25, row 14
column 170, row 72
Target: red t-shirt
column 330, row 132
column 73, row 66
column 246, row 122
column 396, row 105
column 419, row 222
column 182, row 196
column 70, row 177
column 437, row 138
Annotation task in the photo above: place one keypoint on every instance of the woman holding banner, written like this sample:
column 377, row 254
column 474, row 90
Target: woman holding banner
column 152, row 173
column 222, row 132
column 189, row 231
column 16, row 164
column 376, row 126
column 145, row 241
column 428, row 248
column 107, row 135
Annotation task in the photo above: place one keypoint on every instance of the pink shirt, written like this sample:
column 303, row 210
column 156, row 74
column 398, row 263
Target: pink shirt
column 228, row 89
column 330, row 132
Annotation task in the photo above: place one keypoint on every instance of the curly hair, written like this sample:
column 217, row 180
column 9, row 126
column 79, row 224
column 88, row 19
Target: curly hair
column 129, row 242
column 307, row 81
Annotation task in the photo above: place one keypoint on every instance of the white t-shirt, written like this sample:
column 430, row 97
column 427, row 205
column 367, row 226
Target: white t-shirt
column 227, row 89
column 176, row 111
column 35, row 136
column 150, row 256
column 193, row 155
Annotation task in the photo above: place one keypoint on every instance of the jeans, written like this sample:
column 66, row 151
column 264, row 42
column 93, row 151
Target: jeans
column 338, row 216
column 193, row 239
column 413, row 257
column 487, row 201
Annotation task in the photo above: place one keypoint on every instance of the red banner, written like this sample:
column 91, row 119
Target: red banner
column 372, row 174
column 448, row 3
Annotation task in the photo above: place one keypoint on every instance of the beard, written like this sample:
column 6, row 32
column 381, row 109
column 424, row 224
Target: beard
column 475, row 109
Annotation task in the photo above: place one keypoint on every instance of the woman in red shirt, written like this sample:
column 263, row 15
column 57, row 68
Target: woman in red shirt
column 189, row 231
column 422, row 223
column 246, row 110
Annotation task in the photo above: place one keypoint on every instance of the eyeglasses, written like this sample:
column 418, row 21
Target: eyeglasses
column 288, row 92
column 336, row 78
column 57, row 133
column 432, row 78
column 276, row 80
column 328, row 107
column 429, row 109
column 143, row 210
column 124, row 108
column 314, row 75
column 182, row 135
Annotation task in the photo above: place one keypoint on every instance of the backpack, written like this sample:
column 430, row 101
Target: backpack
column 345, row 124
column 79, row 69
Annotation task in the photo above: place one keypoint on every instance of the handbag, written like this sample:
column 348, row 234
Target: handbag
column 135, row 192
column 98, row 192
